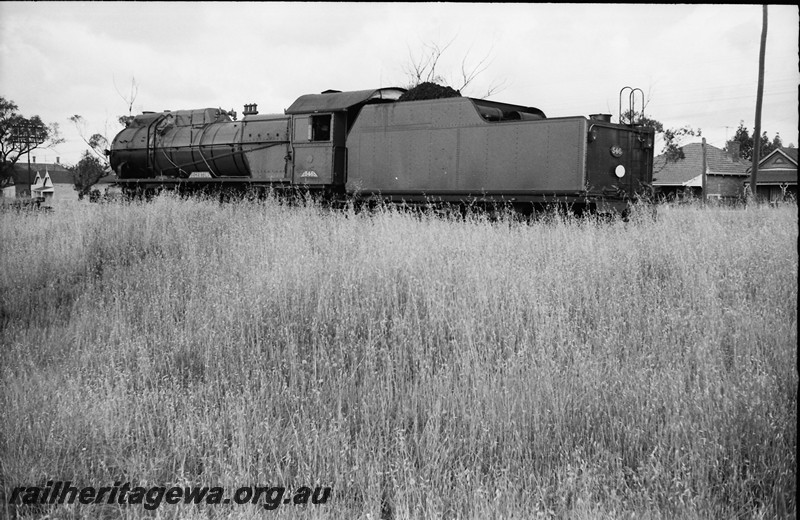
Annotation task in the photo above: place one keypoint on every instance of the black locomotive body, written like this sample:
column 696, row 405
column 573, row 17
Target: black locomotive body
column 368, row 144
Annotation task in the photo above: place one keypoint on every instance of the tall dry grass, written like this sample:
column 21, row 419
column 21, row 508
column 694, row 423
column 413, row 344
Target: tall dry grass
column 422, row 367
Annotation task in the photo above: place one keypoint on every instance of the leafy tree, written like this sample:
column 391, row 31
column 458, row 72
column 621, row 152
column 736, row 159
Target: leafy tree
column 672, row 137
column 644, row 120
column 742, row 136
column 672, row 141
column 11, row 148
column 98, row 143
column 777, row 142
column 746, row 142
column 86, row 173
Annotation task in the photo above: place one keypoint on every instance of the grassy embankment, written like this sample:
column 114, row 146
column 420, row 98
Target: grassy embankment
column 422, row 367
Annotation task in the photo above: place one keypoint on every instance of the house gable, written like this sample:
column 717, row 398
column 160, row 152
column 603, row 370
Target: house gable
column 778, row 160
column 778, row 167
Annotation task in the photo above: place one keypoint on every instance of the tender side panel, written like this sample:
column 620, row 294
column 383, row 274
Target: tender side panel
column 444, row 146
column 544, row 156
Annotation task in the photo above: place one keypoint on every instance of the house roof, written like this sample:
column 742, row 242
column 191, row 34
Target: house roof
column 683, row 171
column 59, row 173
column 789, row 152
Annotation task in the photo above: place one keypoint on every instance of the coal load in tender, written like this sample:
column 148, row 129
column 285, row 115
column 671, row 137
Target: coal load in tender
column 428, row 90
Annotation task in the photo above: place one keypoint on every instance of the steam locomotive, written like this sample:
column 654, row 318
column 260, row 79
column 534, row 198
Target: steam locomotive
column 370, row 144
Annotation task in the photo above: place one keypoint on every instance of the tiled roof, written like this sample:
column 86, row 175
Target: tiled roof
column 59, row 174
column 680, row 172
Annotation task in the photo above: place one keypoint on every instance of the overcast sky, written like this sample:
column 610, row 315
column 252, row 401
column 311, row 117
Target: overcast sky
column 697, row 64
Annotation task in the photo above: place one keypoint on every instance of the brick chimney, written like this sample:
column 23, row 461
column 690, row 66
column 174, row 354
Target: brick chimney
column 34, row 158
column 734, row 150
column 58, row 160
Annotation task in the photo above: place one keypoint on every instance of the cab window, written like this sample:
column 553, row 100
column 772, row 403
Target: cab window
column 319, row 128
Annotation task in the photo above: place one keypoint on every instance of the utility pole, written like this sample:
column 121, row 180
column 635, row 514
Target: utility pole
column 759, row 101
column 25, row 135
column 705, row 169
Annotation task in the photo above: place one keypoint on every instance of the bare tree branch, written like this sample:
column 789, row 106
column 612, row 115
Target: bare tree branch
column 494, row 88
column 97, row 142
column 426, row 68
column 129, row 100
column 468, row 75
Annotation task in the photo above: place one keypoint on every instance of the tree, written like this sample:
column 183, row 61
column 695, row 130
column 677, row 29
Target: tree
column 747, row 142
column 777, row 142
column 672, row 137
column 86, row 173
column 19, row 136
column 98, row 143
column 742, row 136
column 129, row 99
column 425, row 69
column 672, row 141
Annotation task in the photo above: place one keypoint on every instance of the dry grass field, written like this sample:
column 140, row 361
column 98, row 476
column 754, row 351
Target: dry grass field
column 422, row 367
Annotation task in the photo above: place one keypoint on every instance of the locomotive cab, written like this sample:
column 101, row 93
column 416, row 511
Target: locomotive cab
column 318, row 143
column 320, row 123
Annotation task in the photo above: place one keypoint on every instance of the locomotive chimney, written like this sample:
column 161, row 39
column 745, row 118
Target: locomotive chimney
column 606, row 118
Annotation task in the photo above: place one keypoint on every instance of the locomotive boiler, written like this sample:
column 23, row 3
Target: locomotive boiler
column 372, row 144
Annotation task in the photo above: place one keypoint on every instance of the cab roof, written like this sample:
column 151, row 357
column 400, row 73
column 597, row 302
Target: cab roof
column 334, row 100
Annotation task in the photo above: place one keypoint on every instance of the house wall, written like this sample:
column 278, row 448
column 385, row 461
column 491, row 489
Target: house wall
column 677, row 193
column 775, row 193
column 724, row 186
